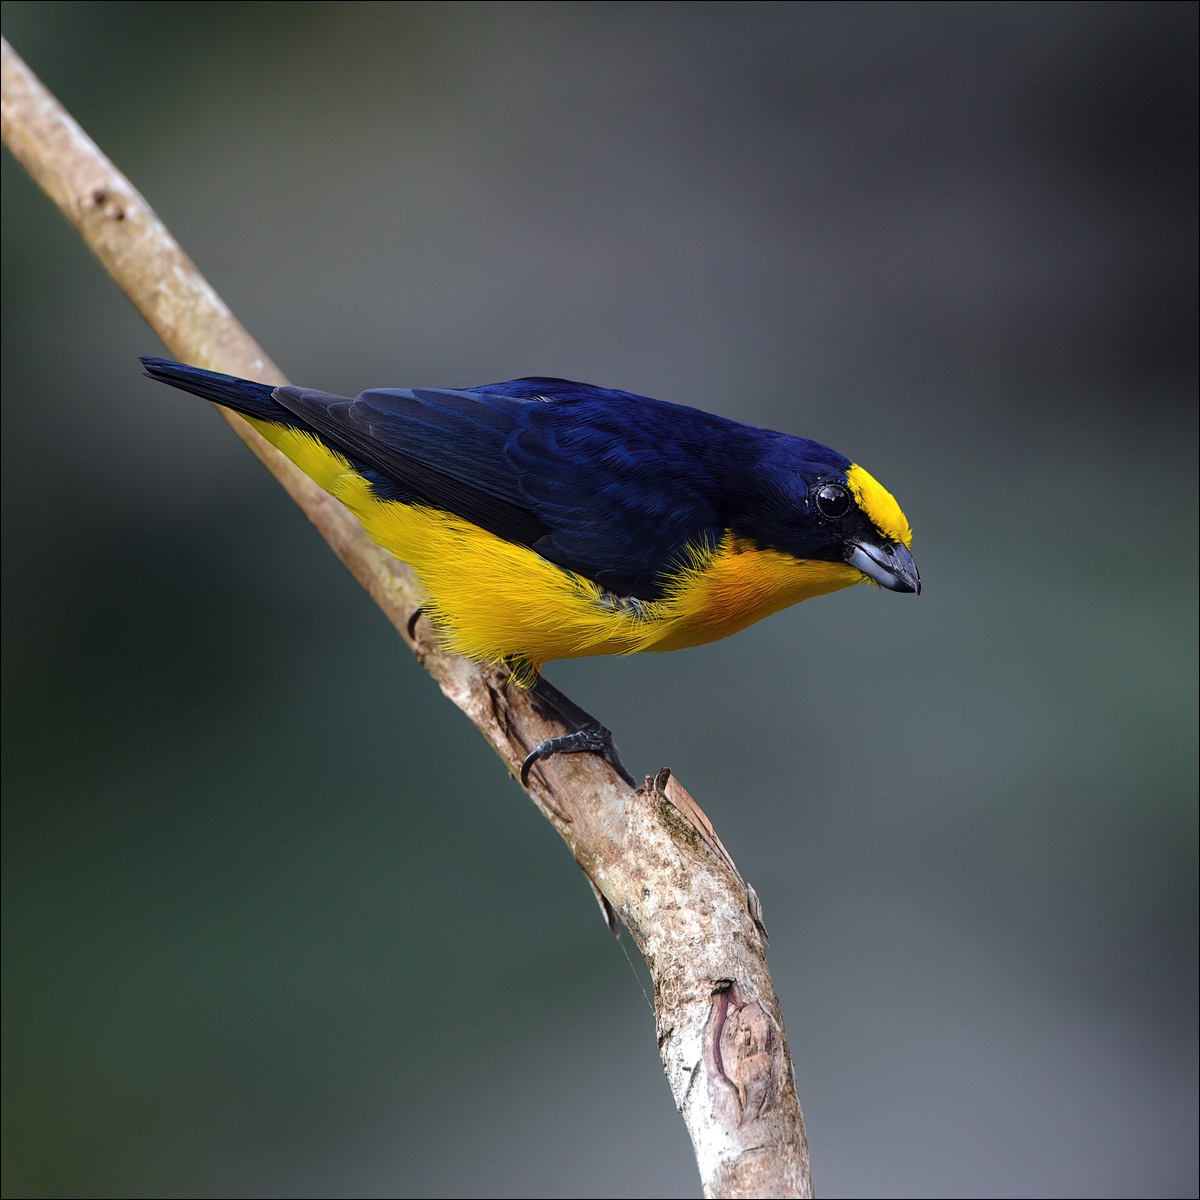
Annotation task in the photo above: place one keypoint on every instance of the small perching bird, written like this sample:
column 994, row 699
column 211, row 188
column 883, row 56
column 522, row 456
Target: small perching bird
column 548, row 519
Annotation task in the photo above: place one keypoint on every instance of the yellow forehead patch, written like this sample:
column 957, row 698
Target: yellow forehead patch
column 879, row 505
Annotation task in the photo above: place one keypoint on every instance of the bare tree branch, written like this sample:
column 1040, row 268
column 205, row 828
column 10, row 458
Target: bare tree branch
column 651, row 854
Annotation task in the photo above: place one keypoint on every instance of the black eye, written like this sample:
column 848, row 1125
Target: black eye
column 832, row 500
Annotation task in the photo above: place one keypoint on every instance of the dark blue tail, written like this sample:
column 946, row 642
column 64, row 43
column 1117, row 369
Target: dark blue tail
column 242, row 395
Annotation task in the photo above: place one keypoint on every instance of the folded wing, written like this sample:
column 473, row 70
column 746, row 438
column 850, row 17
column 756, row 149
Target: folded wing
column 607, row 484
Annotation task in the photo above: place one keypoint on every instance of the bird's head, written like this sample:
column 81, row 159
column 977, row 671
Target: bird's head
column 813, row 503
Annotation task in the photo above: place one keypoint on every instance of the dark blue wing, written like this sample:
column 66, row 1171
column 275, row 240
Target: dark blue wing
column 445, row 448
column 607, row 484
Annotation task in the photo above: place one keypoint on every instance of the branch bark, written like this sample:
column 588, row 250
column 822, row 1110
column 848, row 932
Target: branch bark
column 650, row 854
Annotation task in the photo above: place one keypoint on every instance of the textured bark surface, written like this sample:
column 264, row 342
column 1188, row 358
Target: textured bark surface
column 650, row 854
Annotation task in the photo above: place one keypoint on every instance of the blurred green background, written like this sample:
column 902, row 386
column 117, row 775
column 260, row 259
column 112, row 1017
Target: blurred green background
column 277, row 923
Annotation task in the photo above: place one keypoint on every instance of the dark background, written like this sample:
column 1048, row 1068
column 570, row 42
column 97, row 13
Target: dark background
column 277, row 922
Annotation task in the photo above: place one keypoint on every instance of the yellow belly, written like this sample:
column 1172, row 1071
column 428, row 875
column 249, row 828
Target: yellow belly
column 494, row 600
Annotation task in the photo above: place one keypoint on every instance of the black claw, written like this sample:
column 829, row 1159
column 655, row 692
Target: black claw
column 593, row 738
column 413, row 618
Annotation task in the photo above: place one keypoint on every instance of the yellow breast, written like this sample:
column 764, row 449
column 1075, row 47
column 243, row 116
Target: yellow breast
column 737, row 585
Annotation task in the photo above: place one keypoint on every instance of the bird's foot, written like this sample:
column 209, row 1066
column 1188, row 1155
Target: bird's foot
column 589, row 737
column 592, row 738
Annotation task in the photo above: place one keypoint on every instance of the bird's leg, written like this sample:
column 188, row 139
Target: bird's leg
column 590, row 737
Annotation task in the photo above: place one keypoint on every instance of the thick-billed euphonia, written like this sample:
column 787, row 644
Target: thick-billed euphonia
column 548, row 519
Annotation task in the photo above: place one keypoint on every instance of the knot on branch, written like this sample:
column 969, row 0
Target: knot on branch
column 744, row 1045
column 101, row 198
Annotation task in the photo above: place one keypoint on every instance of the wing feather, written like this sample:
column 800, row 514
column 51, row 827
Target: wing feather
column 607, row 484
